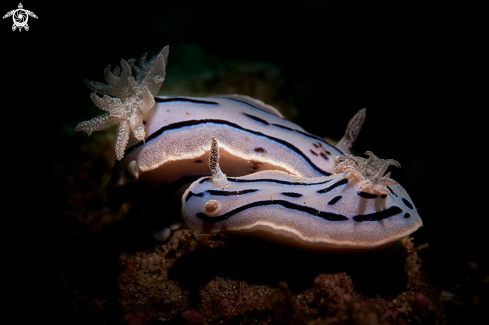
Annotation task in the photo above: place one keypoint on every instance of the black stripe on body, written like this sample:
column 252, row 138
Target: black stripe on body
column 198, row 101
column 257, row 119
column 392, row 192
column 407, row 203
column 230, row 193
column 376, row 216
column 284, row 127
column 183, row 99
column 340, row 183
column 367, row 195
column 315, row 137
column 291, row 194
column 189, row 123
column 251, row 105
column 335, row 200
column 190, row 194
column 292, row 206
column 266, row 180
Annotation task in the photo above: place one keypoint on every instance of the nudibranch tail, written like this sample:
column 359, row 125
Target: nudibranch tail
column 218, row 177
column 126, row 98
column 352, row 131
column 370, row 172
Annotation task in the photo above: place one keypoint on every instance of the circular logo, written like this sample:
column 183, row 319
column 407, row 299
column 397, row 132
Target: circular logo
column 20, row 17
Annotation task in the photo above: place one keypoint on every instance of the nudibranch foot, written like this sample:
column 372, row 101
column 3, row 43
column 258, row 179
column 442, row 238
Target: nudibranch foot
column 369, row 172
column 352, row 130
column 126, row 98
column 329, row 214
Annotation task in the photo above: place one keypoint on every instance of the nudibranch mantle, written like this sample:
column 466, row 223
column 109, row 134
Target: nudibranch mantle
column 170, row 134
column 278, row 182
column 251, row 137
column 329, row 213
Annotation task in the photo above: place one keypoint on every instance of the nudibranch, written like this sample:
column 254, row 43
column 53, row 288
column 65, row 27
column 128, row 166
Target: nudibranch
column 357, row 209
column 168, row 146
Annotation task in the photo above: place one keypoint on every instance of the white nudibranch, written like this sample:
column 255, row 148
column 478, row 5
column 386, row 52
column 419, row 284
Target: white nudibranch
column 354, row 211
column 170, row 135
column 270, row 178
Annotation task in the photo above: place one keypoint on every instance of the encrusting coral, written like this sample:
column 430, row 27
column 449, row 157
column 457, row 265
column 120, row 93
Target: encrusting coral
column 370, row 172
column 126, row 98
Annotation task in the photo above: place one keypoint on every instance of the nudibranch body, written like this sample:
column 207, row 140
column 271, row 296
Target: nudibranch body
column 253, row 137
column 278, row 182
column 170, row 134
column 344, row 212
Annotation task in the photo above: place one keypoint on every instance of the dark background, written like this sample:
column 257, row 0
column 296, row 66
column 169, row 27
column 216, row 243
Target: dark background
column 411, row 64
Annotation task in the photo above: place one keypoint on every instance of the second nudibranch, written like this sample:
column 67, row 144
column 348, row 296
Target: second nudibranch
column 355, row 210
